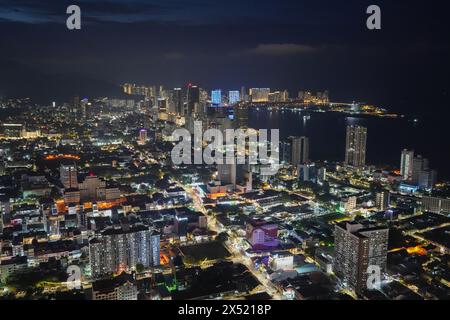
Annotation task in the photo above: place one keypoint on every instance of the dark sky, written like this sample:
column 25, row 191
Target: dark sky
column 302, row 44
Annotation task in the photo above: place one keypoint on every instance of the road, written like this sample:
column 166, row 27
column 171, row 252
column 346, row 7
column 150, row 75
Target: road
column 237, row 256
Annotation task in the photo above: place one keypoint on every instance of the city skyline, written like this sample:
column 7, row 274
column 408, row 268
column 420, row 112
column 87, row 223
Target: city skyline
column 234, row 152
column 296, row 46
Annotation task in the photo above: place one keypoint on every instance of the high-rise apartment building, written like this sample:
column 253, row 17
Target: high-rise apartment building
column 382, row 200
column 142, row 136
column 427, row 179
column 260, row 94
column 355, row 148
column 356, row 248
column 233, row 97
column 177, row 100
column 415, row 169
column 122, row 248
column 227, row 174
column 216, row 97
column 406, row 164
column 419, row 164
column 180, row 225
column 68, row 176
column 243, row 94
column 300, row 150
column 192, row 98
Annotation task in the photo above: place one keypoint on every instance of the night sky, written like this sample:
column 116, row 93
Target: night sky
column 316, row 45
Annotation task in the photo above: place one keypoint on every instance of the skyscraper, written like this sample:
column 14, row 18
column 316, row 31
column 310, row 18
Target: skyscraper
column 243, row 94
column 382, row 200
column 419, row 164
column 75, row 107
column 233, row 97
column 415, row 169
column 300, row 150
column 122, row 287
column 180, row 225
column 162, row 105
column 192, row 98
column 216, row 97
column 285, row 152
column 122, row 248
column 142, row 136
column 244, row 177
column 68, row 176
column 83, row 108
column 357, row 248
column 307, row 172
column 427, row 179
column 260, row 94
column 355, row 148
column 177, row 100
column 227, row 174
column 406, row 164
column 322, row 174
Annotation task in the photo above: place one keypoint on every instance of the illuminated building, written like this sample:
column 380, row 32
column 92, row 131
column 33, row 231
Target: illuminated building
column 348, row 204
column 203, row 222
column 427, row 179
column 244, row 178
column 68, row 176
column 319, row 99
column 128, row 88
column 357, row 248
column 241, row 114
column 216, row 190
column 192, row 98
column 307, row 172
column 13, row 266
column 422, row 175
column 243, row 94
column 407, row 188
column 285, row 152
column 406, row 165
column 122, row 287
column 262, row 235
column 436, row 205
column 142, row 136
column 72, row 195
column 1, row 222
column 382, row 200
column 83, row 108
column 355, row 148
column 216, row 97
column 282, row 261
column 322, row 175
column 227, row 174
column 233, row 97
column 419, row 164
column 279, row 96
column 75, row 107
column 122, row 248
column 221, row 123
column 92, row 188
column 180, row 225
column 300, row 150
column 12, row 130
column 177, row 100
column 259, row 94
column 162, row 105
